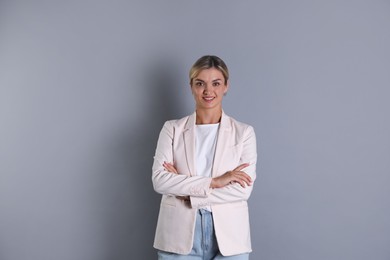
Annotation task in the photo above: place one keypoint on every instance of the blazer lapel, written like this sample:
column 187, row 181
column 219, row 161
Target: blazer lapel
column 189, row 143
column 223, row 135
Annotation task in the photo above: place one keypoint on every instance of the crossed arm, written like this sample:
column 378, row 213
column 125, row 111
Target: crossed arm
column 234, row 176
column 232, row 186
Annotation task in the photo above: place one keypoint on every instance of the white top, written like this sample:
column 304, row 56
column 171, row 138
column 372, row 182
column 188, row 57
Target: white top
column 205, row 143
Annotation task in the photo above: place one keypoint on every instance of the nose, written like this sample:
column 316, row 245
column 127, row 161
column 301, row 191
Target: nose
column 207, row 89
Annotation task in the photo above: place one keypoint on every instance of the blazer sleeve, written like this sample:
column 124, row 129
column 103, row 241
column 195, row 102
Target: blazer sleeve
column 168, row 183
column 234, row 192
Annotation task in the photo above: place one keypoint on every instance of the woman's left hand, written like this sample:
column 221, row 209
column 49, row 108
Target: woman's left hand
column 170, row 168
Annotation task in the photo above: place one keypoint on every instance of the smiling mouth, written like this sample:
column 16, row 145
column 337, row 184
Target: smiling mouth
column 208, row 99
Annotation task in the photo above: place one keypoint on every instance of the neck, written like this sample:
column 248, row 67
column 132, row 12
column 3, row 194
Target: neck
column 209, row 116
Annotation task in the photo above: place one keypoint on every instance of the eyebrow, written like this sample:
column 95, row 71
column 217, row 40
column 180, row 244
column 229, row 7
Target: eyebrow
column 198, row 80
column 211, row 81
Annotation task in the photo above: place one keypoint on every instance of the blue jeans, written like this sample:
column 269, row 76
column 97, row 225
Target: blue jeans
column 205, row 244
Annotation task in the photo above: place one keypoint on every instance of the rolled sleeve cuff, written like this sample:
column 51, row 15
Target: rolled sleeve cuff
column 199, row 194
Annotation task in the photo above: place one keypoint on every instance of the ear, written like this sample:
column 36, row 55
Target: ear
column 227, row 87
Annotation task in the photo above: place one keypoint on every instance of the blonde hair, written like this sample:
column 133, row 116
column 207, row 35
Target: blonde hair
column 208, row 62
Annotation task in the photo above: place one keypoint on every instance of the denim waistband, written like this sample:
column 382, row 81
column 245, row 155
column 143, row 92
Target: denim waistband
column 204, row 212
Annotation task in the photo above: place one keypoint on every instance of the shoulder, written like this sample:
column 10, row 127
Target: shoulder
column 238, row 125
column 173, row 127
column 176, row 122
column 240, row 130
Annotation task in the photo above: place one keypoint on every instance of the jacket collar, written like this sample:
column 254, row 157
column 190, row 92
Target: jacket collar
column 224, row 124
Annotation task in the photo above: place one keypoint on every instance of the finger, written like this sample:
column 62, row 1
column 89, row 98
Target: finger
column 169, row 167
column 244, row 180
column 239, row 180
column 240, row 167
column 242, row 183
column 168, row 164
column 244, row 175
column 247, row 179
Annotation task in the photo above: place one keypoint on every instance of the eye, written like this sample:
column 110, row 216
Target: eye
column 199, row 83
column 216, row 84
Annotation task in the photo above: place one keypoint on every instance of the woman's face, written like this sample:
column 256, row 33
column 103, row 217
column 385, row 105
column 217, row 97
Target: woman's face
column 208, row 89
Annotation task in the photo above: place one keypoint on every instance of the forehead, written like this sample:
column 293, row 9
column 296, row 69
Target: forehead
column 211, row 74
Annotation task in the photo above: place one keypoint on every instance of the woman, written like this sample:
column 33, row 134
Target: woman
column 205, row 166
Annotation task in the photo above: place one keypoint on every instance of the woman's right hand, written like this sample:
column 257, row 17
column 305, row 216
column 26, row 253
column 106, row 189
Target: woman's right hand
column 236, row 175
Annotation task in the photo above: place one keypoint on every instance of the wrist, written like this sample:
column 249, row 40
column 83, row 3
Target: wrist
column 213, row 183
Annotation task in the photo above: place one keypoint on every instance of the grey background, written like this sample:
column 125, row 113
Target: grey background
column 85, row 87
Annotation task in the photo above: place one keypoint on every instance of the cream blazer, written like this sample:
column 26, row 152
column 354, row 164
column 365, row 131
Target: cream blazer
column 236, row 144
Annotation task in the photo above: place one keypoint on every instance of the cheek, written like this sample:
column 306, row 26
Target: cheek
column 196, row 93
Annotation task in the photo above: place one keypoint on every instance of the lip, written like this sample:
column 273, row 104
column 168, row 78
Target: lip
column 208, row 99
